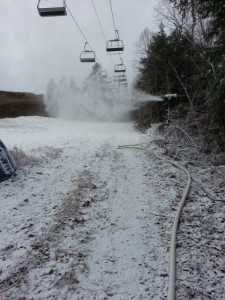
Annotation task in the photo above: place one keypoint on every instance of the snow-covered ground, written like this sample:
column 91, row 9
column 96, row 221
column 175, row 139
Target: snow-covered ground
column 84, row 220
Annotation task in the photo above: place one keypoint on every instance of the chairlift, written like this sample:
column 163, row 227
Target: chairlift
column 123, row 82
column 108, row 81
column 120, row 68
column 115, row 46
column 122, row 78
column 116, row 78
column 52, row 11
column 87, row 55
column 119, row 78
column 103, row 74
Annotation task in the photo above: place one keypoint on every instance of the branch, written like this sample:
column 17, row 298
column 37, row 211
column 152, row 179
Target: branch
column 189, row 98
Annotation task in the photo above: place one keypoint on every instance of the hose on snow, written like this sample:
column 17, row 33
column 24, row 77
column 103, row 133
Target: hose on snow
column 172, row 253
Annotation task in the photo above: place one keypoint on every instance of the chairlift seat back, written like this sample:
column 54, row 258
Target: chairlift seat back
column 52, row 11
column 120, row 68
column 115, row 46
column 122, row 78
column 87, row 56
column 114, row 49
column 87, row 59
column 103, row 74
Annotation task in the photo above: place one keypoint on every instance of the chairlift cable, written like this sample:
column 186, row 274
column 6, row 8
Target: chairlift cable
column 99, row 20
column 77, row 24
column 96, row 13
column 61, row 11
column 114, row 45
column 112, row 15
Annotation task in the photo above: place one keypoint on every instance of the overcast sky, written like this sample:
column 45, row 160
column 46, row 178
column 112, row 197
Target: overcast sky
column 34, row 49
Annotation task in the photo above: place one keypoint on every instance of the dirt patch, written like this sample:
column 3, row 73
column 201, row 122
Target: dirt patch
column 14, row 104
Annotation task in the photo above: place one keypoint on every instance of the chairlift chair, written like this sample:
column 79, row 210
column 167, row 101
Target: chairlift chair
column 103, row 74
column 120, row 68
column 116, row 78
column 119, row 78
column 52, row 11
column 87, row 55
column 108, row 81
column 115, row 46
column 122, row 78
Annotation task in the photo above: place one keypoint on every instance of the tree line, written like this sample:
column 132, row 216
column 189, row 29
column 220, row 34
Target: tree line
column 187, row 56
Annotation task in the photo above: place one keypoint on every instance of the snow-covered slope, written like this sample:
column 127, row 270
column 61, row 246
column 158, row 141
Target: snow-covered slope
column 85, row 220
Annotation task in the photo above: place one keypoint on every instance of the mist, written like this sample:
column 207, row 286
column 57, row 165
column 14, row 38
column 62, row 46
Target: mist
column 96, row 100
column 139, row 96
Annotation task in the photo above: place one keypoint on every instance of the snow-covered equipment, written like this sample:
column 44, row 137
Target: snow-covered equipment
column 87, row 55
column 7, row 163
column 52, row 11
column 115, row 46
column 170, row 100
column 170, row 97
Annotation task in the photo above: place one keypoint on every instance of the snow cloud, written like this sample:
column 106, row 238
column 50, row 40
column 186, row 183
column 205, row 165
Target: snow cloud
column 96, row 100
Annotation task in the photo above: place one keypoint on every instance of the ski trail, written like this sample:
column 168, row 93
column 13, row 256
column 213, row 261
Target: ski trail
column 126, row 256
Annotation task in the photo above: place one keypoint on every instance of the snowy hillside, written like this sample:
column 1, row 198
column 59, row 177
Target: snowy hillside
column 84, row 220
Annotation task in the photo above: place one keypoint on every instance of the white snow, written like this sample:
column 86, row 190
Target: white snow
column 84, row 220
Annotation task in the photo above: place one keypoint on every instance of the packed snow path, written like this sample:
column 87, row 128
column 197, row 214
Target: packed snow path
column 82, row 219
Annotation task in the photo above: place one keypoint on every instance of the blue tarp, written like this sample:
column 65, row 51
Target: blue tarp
column 7, row 163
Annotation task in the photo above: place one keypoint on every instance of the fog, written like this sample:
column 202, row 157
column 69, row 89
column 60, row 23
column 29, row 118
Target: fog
column 138, row 96
column 97, row 99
